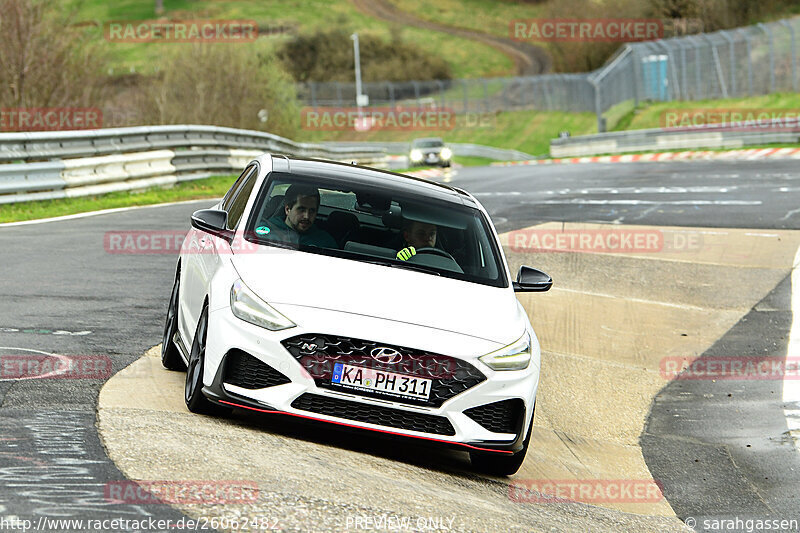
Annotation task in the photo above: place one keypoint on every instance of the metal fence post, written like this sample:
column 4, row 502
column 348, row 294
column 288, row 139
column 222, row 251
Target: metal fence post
column 683, row 82
column 635, row 66
column 313, row 87
column 523, row 99
column 598, row 109
column 697, row 68
column 771, row 56
column 731, row 53
column 717, row 65
column 794, row 53
column 390, row 86
column 416, row 92
column 466, row 96
column 670, row 68
column 546, row 89
column 746, row 38
column 441, row 93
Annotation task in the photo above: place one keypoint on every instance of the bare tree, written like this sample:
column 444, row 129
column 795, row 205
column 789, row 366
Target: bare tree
column 225, row 85
column 44, row 60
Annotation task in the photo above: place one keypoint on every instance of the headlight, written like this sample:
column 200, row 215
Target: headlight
column 246, row 305
column 415, row 155
column 515, row 356
column 446, row 153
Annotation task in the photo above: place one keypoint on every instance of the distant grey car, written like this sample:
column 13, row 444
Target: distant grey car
column 429, row 151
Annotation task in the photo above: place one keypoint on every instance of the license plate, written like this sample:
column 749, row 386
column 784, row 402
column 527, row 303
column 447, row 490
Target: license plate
column 389, row 383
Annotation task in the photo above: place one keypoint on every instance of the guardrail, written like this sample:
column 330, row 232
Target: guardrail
column 463, row 149
column 52, row 165
column 658, row 139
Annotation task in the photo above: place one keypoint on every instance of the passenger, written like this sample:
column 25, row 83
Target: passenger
column 416, row 235
column 301, row 203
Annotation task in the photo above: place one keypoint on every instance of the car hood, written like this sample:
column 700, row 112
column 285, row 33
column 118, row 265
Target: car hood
column 290, row 277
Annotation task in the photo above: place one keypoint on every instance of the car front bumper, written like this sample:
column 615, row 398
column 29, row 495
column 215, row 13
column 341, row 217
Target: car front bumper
column 301, row 395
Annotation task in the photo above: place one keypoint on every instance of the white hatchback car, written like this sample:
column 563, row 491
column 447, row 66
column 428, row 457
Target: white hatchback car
column 357, row 297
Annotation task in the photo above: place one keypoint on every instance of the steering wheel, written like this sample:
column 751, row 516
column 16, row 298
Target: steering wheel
column 435, row 251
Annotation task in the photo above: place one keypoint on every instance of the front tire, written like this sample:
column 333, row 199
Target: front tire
column 170, row 356
column 196, row 401
column 501, row 465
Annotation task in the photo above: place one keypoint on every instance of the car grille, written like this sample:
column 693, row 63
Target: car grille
column 244, row 370
column 374, row 414
column 318, row 353
column 500, row 417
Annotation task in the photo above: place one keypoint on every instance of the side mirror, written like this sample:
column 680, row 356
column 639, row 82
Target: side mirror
column 213, row 221
column 532, row 280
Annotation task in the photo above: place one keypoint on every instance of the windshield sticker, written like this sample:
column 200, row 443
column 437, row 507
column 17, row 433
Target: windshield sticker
column 262, row 230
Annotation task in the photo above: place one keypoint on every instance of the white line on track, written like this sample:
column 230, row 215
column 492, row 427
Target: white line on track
column 619, row 190
column 652, row 202
column 791, row 383
column 64, row 359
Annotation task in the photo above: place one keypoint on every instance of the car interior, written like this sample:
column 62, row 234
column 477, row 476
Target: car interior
column 371, row 224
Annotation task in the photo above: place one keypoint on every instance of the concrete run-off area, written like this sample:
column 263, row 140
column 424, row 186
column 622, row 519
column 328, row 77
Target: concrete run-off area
column 605, row 328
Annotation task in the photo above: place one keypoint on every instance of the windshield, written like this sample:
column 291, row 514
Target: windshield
column 428, row 143
column 375, row 226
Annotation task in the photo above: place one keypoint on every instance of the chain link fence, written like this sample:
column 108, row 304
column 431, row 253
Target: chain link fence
column 567, row 92
column 754, row 60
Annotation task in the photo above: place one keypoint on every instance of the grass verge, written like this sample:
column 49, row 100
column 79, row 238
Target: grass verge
column 651, row 115
column 214, row 187
column 526, row 131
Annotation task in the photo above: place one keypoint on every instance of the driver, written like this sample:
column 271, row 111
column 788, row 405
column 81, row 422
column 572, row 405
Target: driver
column 296, row 221
column 416, row 235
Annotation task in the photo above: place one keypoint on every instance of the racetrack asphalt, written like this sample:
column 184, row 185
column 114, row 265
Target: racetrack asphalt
column 59, row 282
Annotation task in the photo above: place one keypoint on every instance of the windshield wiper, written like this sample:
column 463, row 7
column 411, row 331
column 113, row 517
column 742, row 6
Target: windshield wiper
column 407, row 266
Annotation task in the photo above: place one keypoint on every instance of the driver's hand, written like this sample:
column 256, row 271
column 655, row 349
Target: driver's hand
column 406, row 253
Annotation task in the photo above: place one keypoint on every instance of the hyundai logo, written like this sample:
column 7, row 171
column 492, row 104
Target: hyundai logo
column 386, row 355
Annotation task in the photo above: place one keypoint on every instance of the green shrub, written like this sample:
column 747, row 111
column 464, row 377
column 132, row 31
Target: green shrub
column 328, row 56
